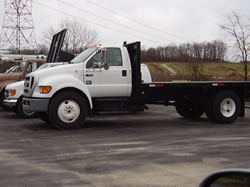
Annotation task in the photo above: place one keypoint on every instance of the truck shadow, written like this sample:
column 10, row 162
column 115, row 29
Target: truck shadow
column 112, row 122
column 124, row 121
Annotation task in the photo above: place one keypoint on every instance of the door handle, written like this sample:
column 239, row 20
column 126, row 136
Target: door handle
column 124, row 73
column 89, row 75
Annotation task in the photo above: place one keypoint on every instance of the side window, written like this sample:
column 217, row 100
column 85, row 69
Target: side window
column 95, row 61
column 29, row 68
column 114, row 57
column 33, row 66
column 39, row 64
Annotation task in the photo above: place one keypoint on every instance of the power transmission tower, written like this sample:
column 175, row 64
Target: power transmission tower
column 18, row 29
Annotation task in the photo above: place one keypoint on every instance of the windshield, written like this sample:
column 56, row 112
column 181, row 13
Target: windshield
column 84, row 55
column 22, row 66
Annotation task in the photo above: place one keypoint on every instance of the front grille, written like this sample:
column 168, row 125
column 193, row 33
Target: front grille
column 26, row 84
column 25, row 90
column 7, row 94
column 29, row 85
column 31, row 82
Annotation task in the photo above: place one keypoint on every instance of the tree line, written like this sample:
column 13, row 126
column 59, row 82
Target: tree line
column 214, row 51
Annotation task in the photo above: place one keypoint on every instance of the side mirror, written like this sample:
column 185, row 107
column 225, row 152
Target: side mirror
column 235, row 177
column 104, row 59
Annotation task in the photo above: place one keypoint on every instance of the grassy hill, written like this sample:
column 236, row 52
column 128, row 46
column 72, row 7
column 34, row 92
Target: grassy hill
column 162, row 71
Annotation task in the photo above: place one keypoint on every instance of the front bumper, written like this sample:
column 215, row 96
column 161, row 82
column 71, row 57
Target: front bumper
column 10, row 102
column 35, row 104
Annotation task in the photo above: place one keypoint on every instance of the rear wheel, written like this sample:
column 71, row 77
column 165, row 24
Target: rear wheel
column 68, row 110
column 188, row 111
column 224, row 107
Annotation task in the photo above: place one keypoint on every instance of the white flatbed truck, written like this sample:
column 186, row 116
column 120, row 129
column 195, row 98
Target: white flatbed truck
column 103, row 79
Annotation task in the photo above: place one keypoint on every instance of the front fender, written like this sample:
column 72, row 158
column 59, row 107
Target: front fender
column 62, row 82
column 3, row 84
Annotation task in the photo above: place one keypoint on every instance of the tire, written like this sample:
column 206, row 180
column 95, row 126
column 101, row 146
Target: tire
column 190, row 111
column 224, row 107
column 136, row 108
column 21, row 112
column 68, row 110
column 209, row 109
column 2, row 97
column 44, row 116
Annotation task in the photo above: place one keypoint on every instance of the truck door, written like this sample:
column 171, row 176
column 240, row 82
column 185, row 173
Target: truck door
column 113, row 82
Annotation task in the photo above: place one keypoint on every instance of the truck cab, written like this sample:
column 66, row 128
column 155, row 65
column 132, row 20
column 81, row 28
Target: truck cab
column 115, row 81
column 100, row 78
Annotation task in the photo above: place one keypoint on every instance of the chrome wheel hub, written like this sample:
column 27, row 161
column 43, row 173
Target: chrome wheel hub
column 68, row 111
column 228, row 107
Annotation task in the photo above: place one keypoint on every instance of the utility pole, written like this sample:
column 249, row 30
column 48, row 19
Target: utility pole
column 18, row 29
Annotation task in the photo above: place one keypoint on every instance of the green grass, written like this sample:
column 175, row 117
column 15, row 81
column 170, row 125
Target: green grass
column 165, row 69
column 224, row 69
column 213, row 71
column 176, row 67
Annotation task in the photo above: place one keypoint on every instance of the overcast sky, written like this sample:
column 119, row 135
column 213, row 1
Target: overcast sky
column 155, row 22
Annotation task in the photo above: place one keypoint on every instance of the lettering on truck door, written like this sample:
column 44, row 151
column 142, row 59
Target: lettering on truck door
column 107, row 83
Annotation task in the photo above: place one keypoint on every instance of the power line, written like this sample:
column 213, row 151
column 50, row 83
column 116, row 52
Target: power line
column 148, row 26
column 62, row 12
column 114, row 22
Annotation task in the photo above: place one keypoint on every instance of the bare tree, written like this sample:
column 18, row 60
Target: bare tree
column 151, row 54
column 214, row 51
column 79, row 36
column 237, row 28
column 195, row 64
column 196, row 68
column 42, row 49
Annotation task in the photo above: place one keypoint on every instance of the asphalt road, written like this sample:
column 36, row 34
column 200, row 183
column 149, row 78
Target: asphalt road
column 154, row 148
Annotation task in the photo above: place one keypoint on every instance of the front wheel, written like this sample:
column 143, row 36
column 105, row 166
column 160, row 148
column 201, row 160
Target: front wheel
column 23, row 113
column 224, row 107
column 68, row 110
column 2, row 97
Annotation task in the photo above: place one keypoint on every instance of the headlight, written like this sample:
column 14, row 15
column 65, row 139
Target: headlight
column 12, row 92
column 45, row 89
column 9, row 93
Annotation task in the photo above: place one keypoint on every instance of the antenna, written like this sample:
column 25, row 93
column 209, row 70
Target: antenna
column 18, row 30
